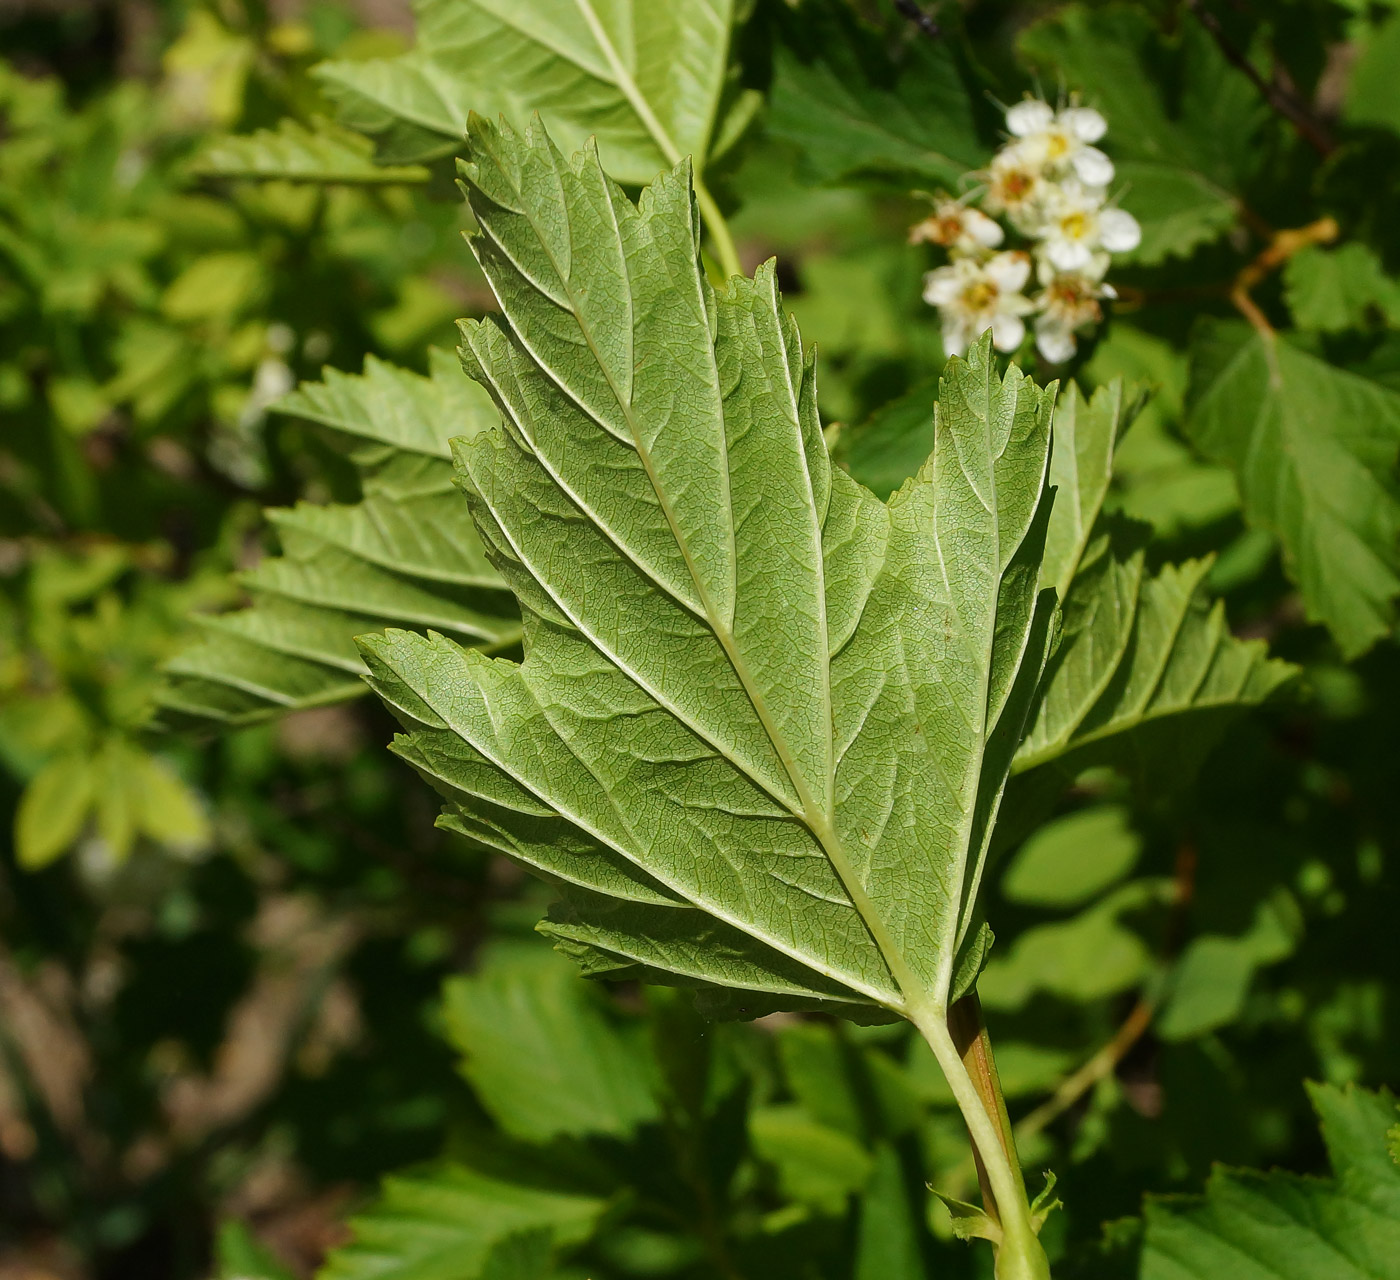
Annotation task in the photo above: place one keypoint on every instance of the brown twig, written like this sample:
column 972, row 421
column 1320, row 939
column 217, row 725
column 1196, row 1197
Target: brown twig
column 919, row 18
column 1278, row 98
column 1282, row 247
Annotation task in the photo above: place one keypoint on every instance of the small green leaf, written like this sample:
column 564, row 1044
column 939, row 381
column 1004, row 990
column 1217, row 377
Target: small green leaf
column 294, row 153
column 853, row 112
column 1074, row 858
column 1314, row 449
column 542, row 1057
column 53, row 810
column 241, row 1257
column 816, row 1165
column 887, row 1244
column 1373, row 93
column 166, row 809
column 1330, row 290
column 445, row 1224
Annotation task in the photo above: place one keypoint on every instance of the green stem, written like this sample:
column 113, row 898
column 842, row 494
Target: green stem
column 1019, row 1255
column 718, row 228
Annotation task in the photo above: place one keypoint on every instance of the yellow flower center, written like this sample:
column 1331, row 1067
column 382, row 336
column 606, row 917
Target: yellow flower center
column 1075, row 226
column 980, row 296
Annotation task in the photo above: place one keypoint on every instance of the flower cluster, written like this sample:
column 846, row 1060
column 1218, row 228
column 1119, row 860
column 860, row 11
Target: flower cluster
column 1050, row 183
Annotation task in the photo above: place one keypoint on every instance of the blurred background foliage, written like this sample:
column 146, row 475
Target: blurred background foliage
column 243, row 976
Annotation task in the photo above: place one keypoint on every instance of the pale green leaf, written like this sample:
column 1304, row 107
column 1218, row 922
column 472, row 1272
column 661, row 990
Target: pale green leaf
column 773, row 715
column 888, row 1239
column 1073, row 859
column 294, row 153
column 166, row 809
column 652, row 82
column 1373, row 92
column 541, row 1055
column 53, row 809
column 1087, row 957
column 445, row 1224
column 407, row 554
column 1330, row 290
column 816, row 1165
column 1314, row 449
column 1147, row 671
column 854, row 111
column 1279, row 1226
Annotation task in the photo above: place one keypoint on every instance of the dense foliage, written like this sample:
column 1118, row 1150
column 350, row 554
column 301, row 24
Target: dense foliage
column 956, row 756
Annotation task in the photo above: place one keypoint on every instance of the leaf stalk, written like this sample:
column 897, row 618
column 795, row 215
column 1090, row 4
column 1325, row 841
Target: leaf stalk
column 1019, row 1254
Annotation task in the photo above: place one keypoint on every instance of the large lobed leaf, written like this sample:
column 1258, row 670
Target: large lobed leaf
column 407, row 554
column 764, row 720
column 1282, row 1227
column 1315, row 450
column 652, row 82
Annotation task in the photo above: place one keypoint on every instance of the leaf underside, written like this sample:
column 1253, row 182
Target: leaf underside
column 764, row 720
column 651, row 82
column 407, row 554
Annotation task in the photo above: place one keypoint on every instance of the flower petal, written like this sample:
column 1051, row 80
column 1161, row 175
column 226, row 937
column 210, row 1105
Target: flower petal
column 984, row 230
column 1007, row 332
column 1119, row 231
column 1092, row 167
column 1084, row 123
column 1054, row 342
column 1029, row 116
column 1068, row 255
column 1009, row 271
column 942, row 287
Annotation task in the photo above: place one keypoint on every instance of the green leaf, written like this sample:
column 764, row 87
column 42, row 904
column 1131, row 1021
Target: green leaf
column 294, row 153
column 766, row 704
column 1146, row 670
column 817, row 1165
column 1314, row 449
column 1285, row 1227
column 241, row 1257
column 1330, row 290
column 651, row 82
column 1073, row 859
column 53, row 810
column 883, row 452
column 1373, row 95
column 542, row 1057
column 406, row 554
column 1179, row 165
column 887, row 1246
column 445, row 1224
column 853, row 111
column 1088, row 957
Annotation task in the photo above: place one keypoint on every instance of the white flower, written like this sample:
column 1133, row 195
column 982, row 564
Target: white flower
column 1077, row 227
column 957, row 227
column 973, row 296
column 1068, row 303
column 1016, row 186
column 1061, row 142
